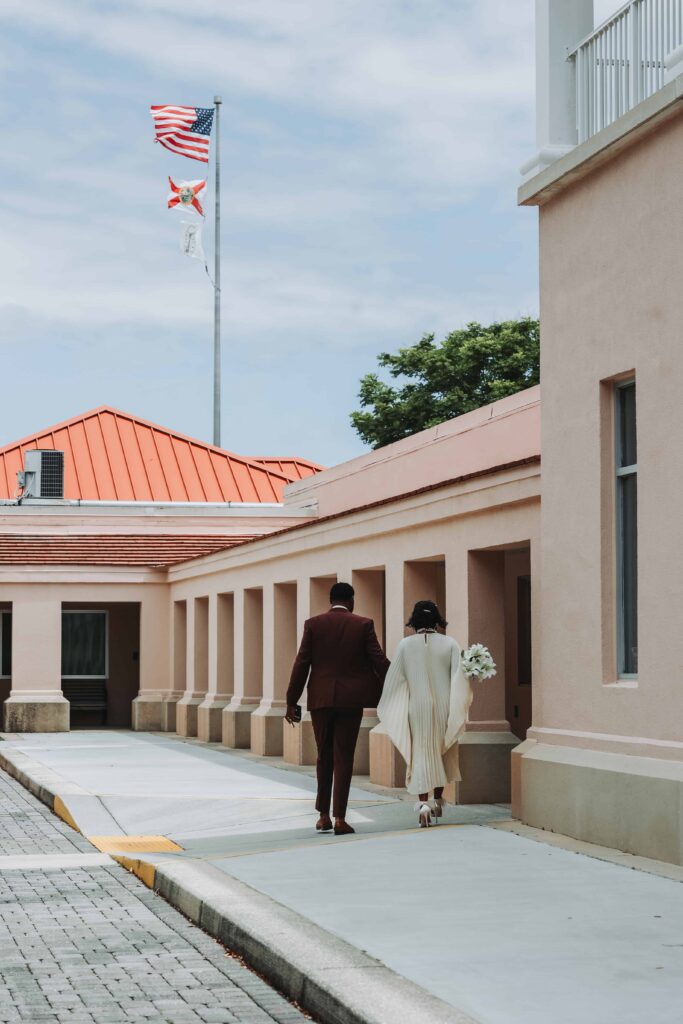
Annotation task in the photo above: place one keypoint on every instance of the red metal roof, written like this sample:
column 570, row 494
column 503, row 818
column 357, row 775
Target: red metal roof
column 113, row 456
column 295, row 469
column 109, row 549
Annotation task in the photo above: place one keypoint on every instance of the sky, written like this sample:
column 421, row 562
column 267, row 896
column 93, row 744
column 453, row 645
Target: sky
column 370, row 154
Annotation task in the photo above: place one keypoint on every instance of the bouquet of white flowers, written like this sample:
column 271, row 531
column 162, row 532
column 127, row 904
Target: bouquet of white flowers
column 478, row 663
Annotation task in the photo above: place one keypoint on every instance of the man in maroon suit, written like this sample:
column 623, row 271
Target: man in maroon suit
column 347, row 668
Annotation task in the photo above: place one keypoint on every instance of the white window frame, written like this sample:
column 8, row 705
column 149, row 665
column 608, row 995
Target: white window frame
column 93, row 611
column 3, row 612
column 620, row 473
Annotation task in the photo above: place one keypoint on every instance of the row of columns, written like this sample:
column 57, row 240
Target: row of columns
column 232, row 655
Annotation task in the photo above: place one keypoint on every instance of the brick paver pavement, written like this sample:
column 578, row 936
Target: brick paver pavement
column 93, row 945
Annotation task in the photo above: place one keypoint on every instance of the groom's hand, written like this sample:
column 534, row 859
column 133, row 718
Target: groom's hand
column 291, row 715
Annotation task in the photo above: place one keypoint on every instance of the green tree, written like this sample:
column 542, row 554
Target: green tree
column 468, row 369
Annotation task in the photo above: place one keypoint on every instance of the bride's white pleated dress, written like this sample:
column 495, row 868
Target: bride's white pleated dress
column 424, row 708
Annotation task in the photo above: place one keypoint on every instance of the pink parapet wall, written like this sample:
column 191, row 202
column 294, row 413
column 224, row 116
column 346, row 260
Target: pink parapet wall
column 497, row 435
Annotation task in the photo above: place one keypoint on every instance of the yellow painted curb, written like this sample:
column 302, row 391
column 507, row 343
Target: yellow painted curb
column 135, row 844
column 60, row 809
column 140, row 868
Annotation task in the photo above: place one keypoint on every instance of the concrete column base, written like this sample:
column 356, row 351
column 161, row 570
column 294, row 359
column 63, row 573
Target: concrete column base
column 361, row 760
column 236, row 723
column 299, row 746
column 298, row 742
column 145, row 713
column 485, row 767
column 387, row 767
column 168, row 710
column 210, row 719
column 624, row 801
column 267, row 738
column 36, row 714
column 186, row 714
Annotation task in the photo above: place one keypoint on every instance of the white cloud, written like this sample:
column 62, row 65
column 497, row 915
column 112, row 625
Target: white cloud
column 370, row 159
column 91, row 274
column 452, row 81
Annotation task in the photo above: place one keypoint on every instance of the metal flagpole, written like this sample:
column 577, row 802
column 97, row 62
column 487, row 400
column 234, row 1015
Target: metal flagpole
column 217, row 286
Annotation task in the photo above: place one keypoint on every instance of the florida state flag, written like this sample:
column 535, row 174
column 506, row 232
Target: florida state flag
column 185, row 195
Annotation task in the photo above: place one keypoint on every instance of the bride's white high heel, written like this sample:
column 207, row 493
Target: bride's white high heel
column 437, row 806
column 425, row 815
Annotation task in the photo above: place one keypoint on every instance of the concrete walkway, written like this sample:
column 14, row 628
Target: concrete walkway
column 504, row 928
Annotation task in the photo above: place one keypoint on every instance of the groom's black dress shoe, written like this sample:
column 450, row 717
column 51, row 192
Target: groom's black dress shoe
column 344, row 829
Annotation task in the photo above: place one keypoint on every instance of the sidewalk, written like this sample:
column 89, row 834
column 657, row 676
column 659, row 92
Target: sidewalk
column 84, row 942
column 501, row 927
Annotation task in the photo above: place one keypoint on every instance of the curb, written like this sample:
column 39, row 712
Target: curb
column 42, row 783
column 327, row 976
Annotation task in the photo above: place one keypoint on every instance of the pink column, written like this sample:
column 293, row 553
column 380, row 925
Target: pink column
column 248, row 669
column 156, row 680
column 221, row 640
column 36, row 702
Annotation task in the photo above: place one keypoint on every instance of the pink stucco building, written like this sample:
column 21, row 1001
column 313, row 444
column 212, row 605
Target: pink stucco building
column 169, row 588
column 186, row 615
column 604, row 760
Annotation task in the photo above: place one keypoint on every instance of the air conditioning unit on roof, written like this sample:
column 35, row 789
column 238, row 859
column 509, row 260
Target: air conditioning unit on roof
column 42, row 478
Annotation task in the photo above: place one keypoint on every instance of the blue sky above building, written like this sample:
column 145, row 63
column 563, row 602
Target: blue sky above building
column 370, row 156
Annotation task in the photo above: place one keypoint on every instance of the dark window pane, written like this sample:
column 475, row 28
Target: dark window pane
column 523, row 629
column 628, row 453
column 628, row 555
column 84, row 644
column 6, row 652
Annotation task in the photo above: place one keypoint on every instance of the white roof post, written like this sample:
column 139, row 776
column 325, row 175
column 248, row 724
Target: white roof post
column 560, row 26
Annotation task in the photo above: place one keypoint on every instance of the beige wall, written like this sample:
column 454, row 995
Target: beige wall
column 604, row 759
column 612, row 302
column 173, row 519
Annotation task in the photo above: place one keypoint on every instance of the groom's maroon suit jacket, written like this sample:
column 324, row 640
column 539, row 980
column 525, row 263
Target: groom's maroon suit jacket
column 346, row 663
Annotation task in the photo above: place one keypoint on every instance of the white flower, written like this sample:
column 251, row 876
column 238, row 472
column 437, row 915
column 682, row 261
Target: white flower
column 477, row 662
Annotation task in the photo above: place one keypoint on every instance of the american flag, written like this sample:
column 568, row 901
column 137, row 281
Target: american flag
column 184, row 130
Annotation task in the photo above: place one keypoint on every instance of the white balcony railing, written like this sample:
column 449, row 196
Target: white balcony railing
column 623, row 61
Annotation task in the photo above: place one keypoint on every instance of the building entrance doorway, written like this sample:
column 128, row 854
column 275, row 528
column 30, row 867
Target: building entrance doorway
column 518, row 674
column 100, row 662
column 500, row 616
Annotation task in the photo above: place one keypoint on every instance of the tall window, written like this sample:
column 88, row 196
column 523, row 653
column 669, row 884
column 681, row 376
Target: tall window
column 627, row 530
column 84, row 645
column 524, row 630
column 5, row 644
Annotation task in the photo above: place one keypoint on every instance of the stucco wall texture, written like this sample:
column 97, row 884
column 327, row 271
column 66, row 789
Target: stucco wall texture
column 612, row 303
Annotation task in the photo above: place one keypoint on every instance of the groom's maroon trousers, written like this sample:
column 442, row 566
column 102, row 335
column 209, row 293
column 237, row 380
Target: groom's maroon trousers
column 347, row 667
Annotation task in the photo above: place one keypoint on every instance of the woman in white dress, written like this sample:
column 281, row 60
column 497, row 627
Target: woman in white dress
column 424, row 708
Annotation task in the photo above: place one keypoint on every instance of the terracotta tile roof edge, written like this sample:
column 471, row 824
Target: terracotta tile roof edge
column 531, row 460
column 65, row 424
column 156, row 552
